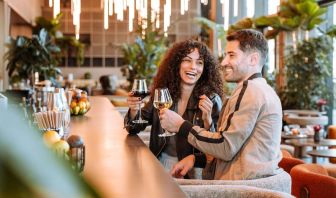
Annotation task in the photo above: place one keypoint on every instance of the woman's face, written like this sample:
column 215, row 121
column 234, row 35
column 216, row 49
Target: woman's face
column 191, row 68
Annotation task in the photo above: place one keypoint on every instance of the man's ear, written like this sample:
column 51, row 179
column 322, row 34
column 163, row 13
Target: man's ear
column 254, row 59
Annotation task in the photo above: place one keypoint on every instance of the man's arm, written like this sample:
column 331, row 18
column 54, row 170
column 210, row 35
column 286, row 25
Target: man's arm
column 225, row 144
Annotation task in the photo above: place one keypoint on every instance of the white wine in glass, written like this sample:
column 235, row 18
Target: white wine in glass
column 163, row 100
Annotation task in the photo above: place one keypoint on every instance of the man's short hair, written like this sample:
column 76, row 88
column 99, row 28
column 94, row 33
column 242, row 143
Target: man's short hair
column 251, row 40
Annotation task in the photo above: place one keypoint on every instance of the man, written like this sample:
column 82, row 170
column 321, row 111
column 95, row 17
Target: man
column 247, row 142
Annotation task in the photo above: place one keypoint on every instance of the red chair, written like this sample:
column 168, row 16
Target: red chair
column 313, row 181
column 288, row 162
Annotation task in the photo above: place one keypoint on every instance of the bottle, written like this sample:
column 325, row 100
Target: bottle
column 317, row 129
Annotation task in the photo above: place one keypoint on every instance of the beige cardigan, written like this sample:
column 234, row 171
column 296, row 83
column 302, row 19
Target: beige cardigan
column 247, row 144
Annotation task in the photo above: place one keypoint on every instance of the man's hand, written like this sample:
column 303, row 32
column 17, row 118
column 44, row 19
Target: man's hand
column 182, row 167
column 206, row 105
column 170, row 120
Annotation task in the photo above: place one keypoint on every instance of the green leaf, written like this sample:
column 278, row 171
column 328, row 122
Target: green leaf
column 292, row 23
column 331, row 31
column 308, row 8
column 265, row 21
column 286, row 10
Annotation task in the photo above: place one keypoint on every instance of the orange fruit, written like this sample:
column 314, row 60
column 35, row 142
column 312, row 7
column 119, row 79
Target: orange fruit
column 73, row 104
column 51, row 137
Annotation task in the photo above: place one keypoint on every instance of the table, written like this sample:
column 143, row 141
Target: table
column 285, row 137
column 305, row 117
column 118, row 164
column 301, row 143
column 329, row 153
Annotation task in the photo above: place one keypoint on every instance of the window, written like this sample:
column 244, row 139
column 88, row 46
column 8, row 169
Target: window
column 272, row 9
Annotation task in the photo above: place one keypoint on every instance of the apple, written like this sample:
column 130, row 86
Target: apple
column 61, row 147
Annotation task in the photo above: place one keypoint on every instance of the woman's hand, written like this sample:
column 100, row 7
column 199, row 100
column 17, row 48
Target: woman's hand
column 206, row 105
column 182, row 167
column 133, row 103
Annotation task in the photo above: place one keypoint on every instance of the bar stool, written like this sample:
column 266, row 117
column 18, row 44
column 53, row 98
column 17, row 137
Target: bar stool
column 312, row 180
column 332, row 135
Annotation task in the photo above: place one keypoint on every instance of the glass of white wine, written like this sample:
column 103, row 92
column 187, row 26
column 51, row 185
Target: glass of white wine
column 163, row 100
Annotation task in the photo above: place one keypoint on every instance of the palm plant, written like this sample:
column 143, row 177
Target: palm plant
column 292, row 15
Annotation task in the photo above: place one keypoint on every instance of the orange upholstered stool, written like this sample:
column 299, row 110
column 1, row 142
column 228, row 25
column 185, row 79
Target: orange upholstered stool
column 332, row 135
column 288, row 162
column 313, row 181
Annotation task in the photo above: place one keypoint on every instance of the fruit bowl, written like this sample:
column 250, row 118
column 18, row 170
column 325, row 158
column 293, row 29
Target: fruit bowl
column 79, row 103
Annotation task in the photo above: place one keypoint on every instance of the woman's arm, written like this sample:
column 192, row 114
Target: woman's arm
column 146, row 114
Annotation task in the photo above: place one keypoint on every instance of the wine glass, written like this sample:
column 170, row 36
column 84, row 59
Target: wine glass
column 163, row 100
column 139, row 89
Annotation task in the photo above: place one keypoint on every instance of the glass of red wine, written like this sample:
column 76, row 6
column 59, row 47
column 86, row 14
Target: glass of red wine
column 139, row 89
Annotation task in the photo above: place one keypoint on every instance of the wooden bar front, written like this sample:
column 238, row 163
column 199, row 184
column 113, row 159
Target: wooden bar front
column 118, row 164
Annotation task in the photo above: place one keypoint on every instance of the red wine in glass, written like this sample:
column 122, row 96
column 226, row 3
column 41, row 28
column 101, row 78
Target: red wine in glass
column 139, row 89
column 141, row 94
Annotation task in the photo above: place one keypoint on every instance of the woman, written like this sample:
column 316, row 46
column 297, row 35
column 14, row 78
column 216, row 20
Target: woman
column 190, row 73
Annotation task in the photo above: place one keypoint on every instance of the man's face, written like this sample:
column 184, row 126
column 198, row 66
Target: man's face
column 235, row 63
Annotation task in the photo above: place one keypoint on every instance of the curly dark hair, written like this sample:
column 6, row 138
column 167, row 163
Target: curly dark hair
column 168, row 74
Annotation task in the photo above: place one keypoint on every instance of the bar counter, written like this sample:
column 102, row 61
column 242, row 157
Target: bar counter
column 118, row 164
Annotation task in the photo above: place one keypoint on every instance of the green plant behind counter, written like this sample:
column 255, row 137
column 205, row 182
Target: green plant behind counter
column 28, row 55
column 142, row 58
column 69, row 45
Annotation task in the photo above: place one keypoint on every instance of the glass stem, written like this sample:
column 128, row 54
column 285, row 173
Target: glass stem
column 140, row 112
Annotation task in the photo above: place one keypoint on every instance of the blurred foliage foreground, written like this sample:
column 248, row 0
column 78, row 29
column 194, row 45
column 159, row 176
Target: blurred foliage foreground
column 29, row 169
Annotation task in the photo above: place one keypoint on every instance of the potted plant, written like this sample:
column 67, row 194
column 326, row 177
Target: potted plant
column 69, row 45
column 307, row 70
column 142, row 58
column 29, row 55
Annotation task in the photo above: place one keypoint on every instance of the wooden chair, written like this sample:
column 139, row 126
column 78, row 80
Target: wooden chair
column 313, row 181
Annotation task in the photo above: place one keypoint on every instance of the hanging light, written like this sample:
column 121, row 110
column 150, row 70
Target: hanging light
column 106, row 23
column 75, row 11
column 130, row 15
column 184, row 6
column 155, row 16
column 205, row 2
column 250, row 9
column 166, row 17
column 57, row 8
column 235, row 7
column 110, row 7
column 225, row 13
